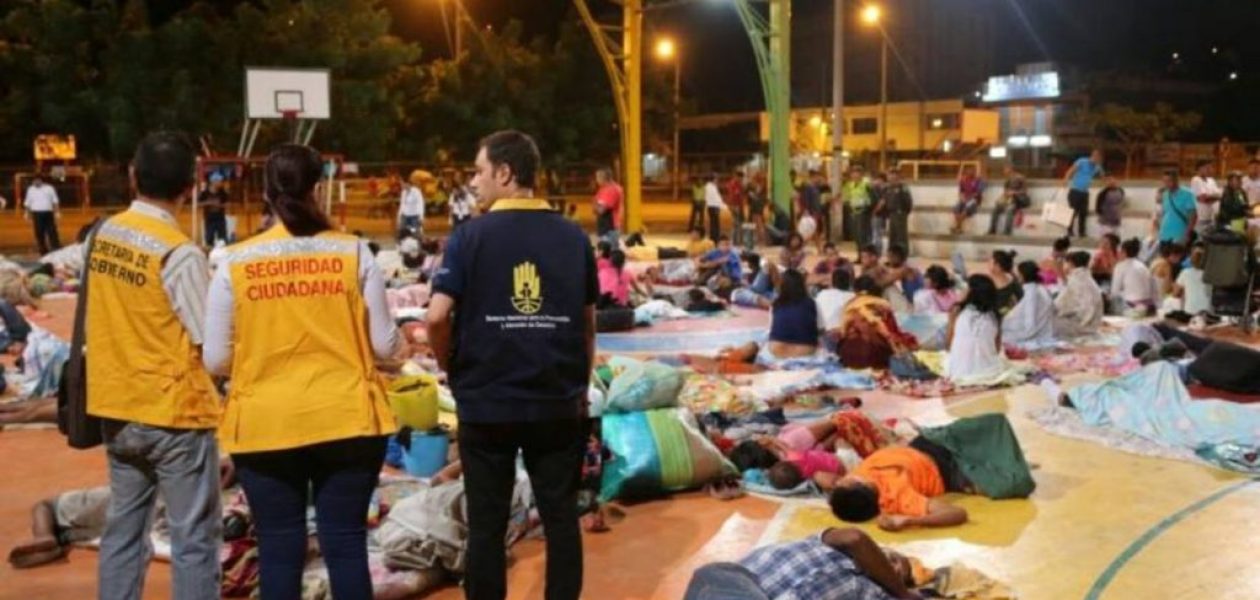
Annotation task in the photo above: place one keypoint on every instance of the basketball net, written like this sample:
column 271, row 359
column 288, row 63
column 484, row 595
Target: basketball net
column 295, row 125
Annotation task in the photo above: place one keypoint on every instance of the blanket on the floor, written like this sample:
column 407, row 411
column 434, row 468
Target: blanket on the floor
column 1154, row 403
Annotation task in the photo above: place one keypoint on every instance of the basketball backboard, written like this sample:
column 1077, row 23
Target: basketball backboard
column 274, row 93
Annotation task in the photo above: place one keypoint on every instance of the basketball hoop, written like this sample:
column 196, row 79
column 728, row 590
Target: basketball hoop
column 290, row 115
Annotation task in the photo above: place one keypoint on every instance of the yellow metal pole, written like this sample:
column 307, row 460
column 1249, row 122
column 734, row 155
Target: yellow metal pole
column 632, row 123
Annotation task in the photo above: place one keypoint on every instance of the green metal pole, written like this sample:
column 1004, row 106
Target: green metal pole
column 781, row 109
column 772, row 46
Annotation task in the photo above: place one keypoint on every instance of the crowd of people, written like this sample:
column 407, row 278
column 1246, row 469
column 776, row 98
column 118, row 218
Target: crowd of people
column 508, row 307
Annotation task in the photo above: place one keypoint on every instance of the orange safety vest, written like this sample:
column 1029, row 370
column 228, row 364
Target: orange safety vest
column 302, row 366
column 142, row 366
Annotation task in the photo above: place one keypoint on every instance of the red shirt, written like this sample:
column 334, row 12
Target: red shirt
column 734, row 192
column 609, row 196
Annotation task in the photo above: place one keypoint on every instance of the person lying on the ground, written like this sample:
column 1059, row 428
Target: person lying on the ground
column 902, row 485
column 700, row 300
column 836, row 564
column 1079, row 306
column 1154, row 403
column 41, row 358
column 14, row 327
column 868, row 335
column 38, row 410
column 74, row 517
column 808, row 451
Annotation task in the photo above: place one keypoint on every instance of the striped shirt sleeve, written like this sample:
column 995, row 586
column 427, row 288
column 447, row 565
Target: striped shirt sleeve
column 186, row 277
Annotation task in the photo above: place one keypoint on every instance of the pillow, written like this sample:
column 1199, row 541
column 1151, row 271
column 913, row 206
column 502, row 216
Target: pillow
column 656, row 452
column 641, row 385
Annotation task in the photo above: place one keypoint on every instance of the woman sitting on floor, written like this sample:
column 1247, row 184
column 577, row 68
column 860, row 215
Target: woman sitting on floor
column 974, row 335
column 940, row 295
column 1105, row 259
column 1053, row 267
column 869, row 335
column 1002, row 274
column 1195, row 295
column 616, row 283
column 1079, row 306
column 763, row 279
column 1031, row 322
column 793, row 320
column 792, row 258
column 1133, row 288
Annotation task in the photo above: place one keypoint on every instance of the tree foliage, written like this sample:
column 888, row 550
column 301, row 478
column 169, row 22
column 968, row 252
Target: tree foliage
column 100, row 71
column 1133, row 128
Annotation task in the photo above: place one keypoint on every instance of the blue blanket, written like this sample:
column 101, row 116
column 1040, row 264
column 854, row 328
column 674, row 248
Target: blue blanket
column 1153, row 402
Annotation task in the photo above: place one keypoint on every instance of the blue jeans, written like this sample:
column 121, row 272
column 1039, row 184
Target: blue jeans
column 342, row 476
column 412, row 223
column 724, row 581
column 183, row 465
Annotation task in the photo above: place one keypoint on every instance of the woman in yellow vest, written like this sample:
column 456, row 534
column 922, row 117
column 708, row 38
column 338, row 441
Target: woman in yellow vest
column 296, row 317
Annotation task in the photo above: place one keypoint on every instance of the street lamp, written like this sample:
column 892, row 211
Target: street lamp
column 871, row 15
column 667, row 50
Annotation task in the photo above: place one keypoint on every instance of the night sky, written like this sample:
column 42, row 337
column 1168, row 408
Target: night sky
column 1131, row 36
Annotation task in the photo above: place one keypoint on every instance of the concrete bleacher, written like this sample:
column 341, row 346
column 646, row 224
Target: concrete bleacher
column 932, row 220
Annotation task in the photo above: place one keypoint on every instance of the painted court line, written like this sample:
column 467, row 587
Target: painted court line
column 1135, row 548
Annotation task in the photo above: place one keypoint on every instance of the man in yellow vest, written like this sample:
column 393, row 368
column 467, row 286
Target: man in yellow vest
column 145, row 379
column 512, row 322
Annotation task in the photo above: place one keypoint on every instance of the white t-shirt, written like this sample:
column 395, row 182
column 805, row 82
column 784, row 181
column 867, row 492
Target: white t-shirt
column 1198, row 295
column 713, row 197
column 830, row 304
column 974, row 351
column 412, row 203
column 1205, row 186
column 1252, row 189
column 40, row 198
column 1132, row 281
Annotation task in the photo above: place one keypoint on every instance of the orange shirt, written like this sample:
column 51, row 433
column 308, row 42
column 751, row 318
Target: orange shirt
column 905, row 478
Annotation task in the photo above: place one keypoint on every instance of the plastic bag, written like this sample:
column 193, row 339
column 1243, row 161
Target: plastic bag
column 656, row 452
column 414, row 399
column 638, row 385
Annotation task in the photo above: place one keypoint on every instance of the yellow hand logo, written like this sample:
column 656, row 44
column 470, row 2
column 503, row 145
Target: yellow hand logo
column 527, row 288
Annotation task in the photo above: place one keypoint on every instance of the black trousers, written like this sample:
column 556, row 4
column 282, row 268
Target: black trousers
column 696, row 219
column 1079, row 201
column 951, row 473
column 216, row 227
column 46, row 230
column 715, row 223
column 553, row 452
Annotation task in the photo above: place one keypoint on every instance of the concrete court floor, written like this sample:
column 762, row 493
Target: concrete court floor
column 1102, row 524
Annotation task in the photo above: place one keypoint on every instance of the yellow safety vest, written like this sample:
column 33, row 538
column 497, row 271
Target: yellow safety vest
column 302, row 365
column 142, row 366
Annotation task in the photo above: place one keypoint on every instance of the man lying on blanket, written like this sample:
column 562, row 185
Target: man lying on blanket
column 838, row 563
column 901, row 485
